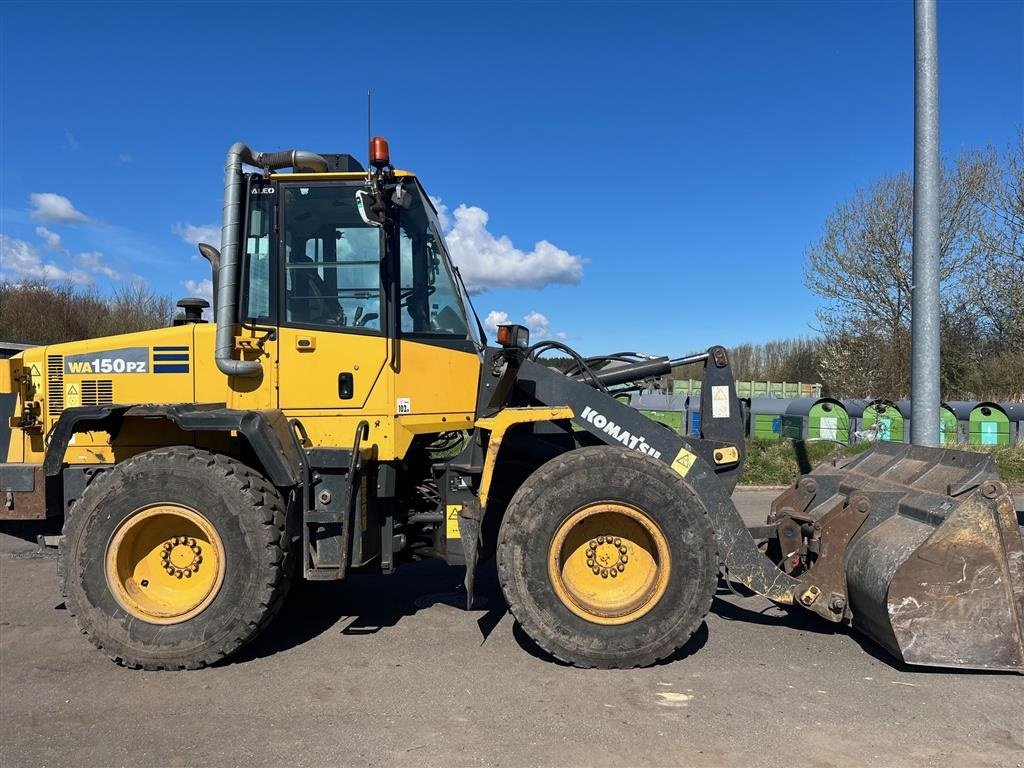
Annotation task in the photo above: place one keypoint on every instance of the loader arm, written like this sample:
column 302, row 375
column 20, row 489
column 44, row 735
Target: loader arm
column 709, row 465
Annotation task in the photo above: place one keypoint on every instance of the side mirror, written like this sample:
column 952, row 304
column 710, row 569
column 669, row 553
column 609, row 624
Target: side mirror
column 364, row 204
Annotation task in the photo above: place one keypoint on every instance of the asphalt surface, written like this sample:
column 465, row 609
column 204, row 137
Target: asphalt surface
column 384, row 671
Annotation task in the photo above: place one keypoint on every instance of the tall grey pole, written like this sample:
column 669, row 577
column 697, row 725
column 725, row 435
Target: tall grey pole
column 924, row 371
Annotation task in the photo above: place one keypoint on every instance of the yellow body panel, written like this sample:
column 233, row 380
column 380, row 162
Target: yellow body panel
column 434, row 389
column 310, row 362
column 498, row 425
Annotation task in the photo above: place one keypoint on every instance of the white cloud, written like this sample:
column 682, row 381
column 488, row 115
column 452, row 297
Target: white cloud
column 125, row 157
column 48, row 206
column 487, row 261
column 195, row 234
column 70, row 142
column 444, row 216
column 20, row 261
column 495, row 318
column 540, row 327
column 52, row 239
column 538, row 323
column 93, row 262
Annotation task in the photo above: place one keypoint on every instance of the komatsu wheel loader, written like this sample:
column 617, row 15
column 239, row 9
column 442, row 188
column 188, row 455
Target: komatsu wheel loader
column 344, row 413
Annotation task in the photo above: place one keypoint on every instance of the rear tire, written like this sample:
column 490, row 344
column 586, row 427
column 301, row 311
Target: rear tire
column 175, row 558
column 656, row 537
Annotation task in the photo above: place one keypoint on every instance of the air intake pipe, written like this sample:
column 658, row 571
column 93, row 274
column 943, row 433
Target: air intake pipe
column 230, row 236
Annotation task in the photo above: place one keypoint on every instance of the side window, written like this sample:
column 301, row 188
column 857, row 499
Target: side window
column 257, row 251
column 332, row 260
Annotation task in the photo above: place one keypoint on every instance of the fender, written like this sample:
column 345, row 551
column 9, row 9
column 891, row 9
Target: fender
column 267, row 431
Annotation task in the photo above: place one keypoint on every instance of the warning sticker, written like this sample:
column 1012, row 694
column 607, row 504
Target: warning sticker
column 72, row 397
column 452, row 520
column 720, row 402
column 404, row 405
column 683, row 461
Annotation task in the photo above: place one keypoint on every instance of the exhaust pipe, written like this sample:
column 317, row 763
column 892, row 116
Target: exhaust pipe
column 227, row 279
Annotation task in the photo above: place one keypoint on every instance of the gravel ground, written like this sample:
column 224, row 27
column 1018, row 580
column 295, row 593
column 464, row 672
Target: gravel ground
column 383, row 670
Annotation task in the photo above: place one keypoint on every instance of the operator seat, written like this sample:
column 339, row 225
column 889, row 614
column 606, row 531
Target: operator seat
column 309, row 298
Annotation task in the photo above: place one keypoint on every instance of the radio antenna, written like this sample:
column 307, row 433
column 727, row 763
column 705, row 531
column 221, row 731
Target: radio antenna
column 369, row 112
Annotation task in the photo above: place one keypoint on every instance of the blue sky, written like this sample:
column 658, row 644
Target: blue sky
column 676, row 159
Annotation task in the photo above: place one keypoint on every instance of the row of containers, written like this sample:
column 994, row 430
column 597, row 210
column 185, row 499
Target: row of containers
column 846, row 421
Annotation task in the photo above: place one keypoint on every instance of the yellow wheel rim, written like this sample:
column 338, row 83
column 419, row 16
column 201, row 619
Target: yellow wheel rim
column 165, row 563
column 609, row 563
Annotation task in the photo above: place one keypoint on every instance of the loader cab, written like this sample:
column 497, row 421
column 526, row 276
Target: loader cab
column 311, row 261
column 352, row 317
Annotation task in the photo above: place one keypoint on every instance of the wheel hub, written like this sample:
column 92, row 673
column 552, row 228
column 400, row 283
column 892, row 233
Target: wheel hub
column 607, row 556
column 181, row 556
column 165, row 563
column 609, row 563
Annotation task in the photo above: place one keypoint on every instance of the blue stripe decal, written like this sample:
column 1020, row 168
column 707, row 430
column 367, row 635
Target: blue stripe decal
column 165, row 356
column 170, row 368
column 170, row 349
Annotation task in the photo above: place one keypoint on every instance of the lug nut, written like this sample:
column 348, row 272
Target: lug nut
column 590, row 562
column 617, row 542
column 621, row 567
column 178, row 573
column 170, row 571
column 188, row 574
column 622, row 550
column 604, row 573
column 624, row 559
column 593, row 543
column 167, row 546
column 596, row 570
column 600, row 539
column 613, row 573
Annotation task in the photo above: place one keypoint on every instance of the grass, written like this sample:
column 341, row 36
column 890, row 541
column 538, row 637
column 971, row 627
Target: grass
column 781, row 462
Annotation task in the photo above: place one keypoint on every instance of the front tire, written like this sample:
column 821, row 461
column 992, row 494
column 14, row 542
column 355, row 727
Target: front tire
column 607, row 559
column 175, row 558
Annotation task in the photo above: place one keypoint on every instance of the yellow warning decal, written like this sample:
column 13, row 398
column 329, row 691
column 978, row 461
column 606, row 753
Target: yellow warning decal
column 72, row 397
column 452, row 519
column 683, row 461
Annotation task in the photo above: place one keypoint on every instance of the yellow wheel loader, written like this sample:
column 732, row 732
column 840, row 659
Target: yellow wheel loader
column 345, row 413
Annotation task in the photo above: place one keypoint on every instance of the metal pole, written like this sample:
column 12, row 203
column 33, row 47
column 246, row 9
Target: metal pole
column 924, row 370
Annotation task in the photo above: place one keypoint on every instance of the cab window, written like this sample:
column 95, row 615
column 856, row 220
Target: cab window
column 331, row 260
column 258, row 278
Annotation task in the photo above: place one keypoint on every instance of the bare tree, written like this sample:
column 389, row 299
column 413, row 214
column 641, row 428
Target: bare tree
column 861, row 267
column 50, row 313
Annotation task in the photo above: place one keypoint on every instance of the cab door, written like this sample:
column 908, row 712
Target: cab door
column 332, row 346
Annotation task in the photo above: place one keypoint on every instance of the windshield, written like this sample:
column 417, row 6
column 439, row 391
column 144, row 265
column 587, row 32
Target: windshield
column 431, row 302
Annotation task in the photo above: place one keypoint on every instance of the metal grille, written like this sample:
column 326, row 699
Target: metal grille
column 97, row 392
column 55, row 384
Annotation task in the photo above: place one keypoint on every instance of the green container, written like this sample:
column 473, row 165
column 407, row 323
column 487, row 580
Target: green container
column 891, row 420
column 767, row 426
column 829, row 421
column 988, row 425
column 673, row 419
column 947, row 425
